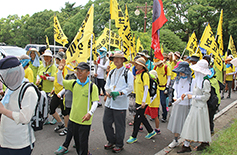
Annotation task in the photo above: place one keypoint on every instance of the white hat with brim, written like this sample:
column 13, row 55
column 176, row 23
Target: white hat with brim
column 158, row 63
column 47, row 53
column 34, row 50
column 202, row 67
column 140, row 61
column 118, row 54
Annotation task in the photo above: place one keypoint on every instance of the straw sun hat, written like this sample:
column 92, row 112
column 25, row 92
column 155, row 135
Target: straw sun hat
column 118, row 54
column 140, row 61
column 34, row 50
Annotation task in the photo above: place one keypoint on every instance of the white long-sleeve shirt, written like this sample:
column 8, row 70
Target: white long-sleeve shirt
column 13, row 134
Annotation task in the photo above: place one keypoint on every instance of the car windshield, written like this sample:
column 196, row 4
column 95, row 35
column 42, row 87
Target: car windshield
column 15, row 51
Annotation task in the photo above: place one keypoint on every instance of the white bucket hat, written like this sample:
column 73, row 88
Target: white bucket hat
column 47, row 53
column 202, row 67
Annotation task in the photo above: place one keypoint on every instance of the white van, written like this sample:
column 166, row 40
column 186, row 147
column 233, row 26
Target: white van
column 39, row 47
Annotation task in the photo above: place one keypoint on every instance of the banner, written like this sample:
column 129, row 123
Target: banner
column 103, row 40
column 59, row 36
column 192, row 44
column 117, row 14
column 78, row 49
column 208, row 43
column 219, row 36
column 231, row 46
column 139, row 47
column 127, row 36
column 47, row 42
column 133, row 48
column 159, row 20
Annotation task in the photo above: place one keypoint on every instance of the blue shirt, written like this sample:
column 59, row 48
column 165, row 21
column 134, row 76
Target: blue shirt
column 149, row 65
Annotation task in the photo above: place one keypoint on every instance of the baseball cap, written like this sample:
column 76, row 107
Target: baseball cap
column 82, row 66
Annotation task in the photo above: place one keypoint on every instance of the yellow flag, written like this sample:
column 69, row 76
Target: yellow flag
column 78, row 49
column 127, row 36
column 139, row 46
column 162, row 48
column 231, row 46
column 192, row 44
column 94, row 51
column 208, row 43
column 47, row 43
column 117, row 14
column 133, row 49
column 219, row 36
column 59, row 36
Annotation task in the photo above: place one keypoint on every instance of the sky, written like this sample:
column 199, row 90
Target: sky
column 23, row 7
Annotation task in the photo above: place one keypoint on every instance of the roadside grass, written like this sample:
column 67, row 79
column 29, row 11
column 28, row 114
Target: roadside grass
column 225, row 143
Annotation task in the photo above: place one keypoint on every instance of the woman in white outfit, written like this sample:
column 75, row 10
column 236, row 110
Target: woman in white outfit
column 181, row 108
column 197, row 126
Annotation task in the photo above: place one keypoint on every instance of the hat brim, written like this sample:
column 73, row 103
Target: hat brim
column 158, row 63
column 184, row 70
column 196, row 59
column 28, row 52
column 197, row 68
column 47, row 55
column 111, row 58
column 135, row 62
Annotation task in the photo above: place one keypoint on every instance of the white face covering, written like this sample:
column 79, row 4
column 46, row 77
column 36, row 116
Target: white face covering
column 12, row 77
column 198, row 79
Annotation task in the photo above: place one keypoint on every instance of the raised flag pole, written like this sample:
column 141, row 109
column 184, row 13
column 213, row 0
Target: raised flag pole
column 88, row 101
column 109, row 32
column 183, row 52
column 53, row 41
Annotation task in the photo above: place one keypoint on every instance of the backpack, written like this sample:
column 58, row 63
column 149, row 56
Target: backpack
column 153, row 85
column 41, row 108
column 212, row 103
column 125, row 74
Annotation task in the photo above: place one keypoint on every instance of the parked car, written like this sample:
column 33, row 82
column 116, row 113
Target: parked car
column 39, row 47
column 11, row 50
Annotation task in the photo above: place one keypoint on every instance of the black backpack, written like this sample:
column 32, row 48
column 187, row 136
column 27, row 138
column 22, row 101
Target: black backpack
column 153, row 85
column 212, row 103
column 125, row 74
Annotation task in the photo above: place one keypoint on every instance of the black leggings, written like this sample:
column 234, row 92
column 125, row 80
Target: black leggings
column 101, row 85
column 138, row 119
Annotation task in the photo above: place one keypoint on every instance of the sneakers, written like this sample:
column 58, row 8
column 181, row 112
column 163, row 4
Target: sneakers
column 59, row 127
column 54, row 121
column 108, row 146
column 157, row 131
column 47, row 122
column 117, row 149
column 173, row 144
column 99, row 105
column 150, row 135
column 140, row 128
column 64, row 132
column 61, row 150
column 131, row 140
column 163, row 120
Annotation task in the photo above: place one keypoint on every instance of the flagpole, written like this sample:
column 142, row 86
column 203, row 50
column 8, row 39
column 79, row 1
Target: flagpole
column 109, row 32
column 90, row 75
column 183, row 52
column 53, row 41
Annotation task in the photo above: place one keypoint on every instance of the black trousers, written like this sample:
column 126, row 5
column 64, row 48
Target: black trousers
column 69, row 135
column 118, row 117
column 138, row 119
column 81, row 136
column 101, row 85
column 212, row 112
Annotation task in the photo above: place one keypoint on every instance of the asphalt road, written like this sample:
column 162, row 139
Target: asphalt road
column 47, row 141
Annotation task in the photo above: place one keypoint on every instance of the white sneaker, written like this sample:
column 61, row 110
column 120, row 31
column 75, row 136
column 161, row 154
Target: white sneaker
column 173, row 144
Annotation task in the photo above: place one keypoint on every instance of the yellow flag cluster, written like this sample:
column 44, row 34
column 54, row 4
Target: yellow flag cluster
column 208, row 42
column 231, row 46
column 192, row 44
column 219, row 36
column 103, row 40
column 59, row 36
column 80, row 46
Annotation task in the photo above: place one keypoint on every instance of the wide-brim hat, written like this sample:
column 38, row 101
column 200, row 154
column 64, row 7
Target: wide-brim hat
column 183, row 67
column 140, row 61
column 102, row 49
column 195, row 58
column 158, row 63
column 59, row 55
column 228, row 59
column 201, row 67
column 177, row 54
column 47, row 53
column 34, row 50
column 118, row 54
column 23, row 57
